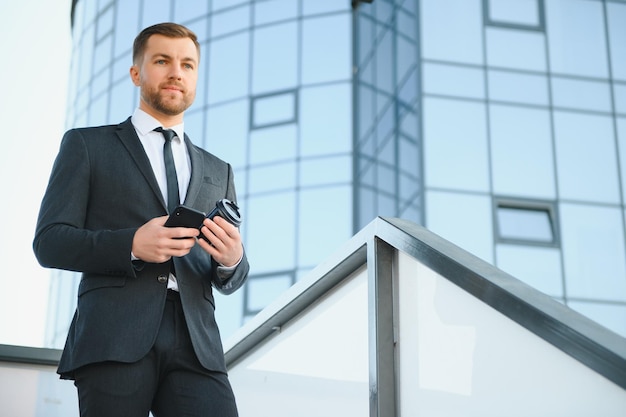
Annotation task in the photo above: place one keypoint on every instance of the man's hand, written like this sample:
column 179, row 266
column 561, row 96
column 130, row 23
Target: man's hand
column 225, row 241
column 153, row 242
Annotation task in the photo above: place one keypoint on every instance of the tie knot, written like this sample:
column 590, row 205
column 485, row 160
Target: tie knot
column 168, row 134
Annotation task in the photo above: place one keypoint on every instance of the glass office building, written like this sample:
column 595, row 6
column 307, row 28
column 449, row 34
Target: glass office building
column 498, row 124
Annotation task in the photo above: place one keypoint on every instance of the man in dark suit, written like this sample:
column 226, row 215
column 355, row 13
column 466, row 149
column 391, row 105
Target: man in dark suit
column 144, row 336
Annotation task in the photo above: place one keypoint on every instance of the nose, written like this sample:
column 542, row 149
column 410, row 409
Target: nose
column 175, row 72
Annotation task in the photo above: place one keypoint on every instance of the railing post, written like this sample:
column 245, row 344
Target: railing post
column 382, row 363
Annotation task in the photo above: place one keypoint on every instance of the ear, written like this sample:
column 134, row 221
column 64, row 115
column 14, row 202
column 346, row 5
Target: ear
column 135, row 75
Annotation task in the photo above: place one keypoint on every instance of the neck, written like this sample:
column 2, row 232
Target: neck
column 165, row 119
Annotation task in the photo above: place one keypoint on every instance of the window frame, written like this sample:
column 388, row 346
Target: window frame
column 546, row 206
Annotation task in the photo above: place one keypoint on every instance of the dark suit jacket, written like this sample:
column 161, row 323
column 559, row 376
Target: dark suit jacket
column 101, row 190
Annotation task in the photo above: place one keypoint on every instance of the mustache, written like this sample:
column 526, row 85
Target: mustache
column 174, row 84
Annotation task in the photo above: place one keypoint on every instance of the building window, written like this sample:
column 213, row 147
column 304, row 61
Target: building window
column 527, row 222
column 273, row 109
column 518, row 14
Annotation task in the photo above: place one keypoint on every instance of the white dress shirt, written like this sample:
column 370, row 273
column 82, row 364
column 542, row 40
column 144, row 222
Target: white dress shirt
column 152, row 142
column 153, row 145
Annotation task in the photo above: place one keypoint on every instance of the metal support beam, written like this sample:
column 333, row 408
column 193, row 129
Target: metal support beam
column 382, row 363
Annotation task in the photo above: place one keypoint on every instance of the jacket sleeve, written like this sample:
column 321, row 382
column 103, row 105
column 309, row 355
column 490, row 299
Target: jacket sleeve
column 232, row 280
column 61, row 237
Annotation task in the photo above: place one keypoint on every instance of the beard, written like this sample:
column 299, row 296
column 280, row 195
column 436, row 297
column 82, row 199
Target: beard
column 166, row 102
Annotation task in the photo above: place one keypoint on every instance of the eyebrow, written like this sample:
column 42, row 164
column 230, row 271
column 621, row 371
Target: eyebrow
column 166, row 56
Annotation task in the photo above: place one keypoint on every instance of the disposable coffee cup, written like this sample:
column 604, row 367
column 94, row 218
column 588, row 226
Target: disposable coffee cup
column 227, row 210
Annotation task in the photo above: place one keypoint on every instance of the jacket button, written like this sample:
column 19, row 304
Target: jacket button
column 162, row 279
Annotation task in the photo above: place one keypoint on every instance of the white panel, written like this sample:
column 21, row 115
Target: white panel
column 459, row 357
column 316, row 365
column 35, row 391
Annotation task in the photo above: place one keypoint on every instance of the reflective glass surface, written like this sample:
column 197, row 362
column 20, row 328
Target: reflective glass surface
column 521, row 12
column 464, row 43
column 228, row 60
column 521, row 152
column 616, row 17
column 594, row 252
column 278, row 108
column 581, row 94
column 516, row 49
column 453, row 80
column 455, row 144
column 524, row 224
column 284, row 376
column 576, row 51
column 586, row 157
column 274, row 63
column 536, row 266
column 518, row 87
column 326, row 48
column 470, row 228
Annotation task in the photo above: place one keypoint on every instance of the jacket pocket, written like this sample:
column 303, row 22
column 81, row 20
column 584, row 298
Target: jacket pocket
column 90, row 282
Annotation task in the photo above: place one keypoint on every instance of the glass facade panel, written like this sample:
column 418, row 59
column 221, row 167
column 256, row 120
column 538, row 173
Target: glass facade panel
column 275, row 64
column 154, row 11
column 274, row 11
column 524, row 224
column 572, row 50
column 453, row 80
column 325, row 120
column 321, row 354
column 126, row 26
column 227, row 134
column 325, row 171
column 261, row 292
column 521, row 152
column 326, row 46
column 621, row 137
column 228, row 68
column 273, row 109
column 610, row 315
column 586, row 157
column 581, row 94
column 384, row 72
column 324, row 6
column 273, row 144
column 470, row 228
column 455, row 145
column 271, row 178
column 229, row 21
column 268, row 235
column 518, row 87
column 225, row 4
column 616, row 18
column 536, row 266
column 327, row 209
column 619, row 97
column 521, row 12
column 184, row 13
column 594, row 252
column 516, row 49
column 464, row 43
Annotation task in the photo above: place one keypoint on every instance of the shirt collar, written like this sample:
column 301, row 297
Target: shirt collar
column 144, row 123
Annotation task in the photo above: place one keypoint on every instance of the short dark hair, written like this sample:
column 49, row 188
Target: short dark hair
column 168, row 29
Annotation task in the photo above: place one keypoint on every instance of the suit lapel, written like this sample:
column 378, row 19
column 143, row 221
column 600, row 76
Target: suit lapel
column 128, row 136
column 197, row 172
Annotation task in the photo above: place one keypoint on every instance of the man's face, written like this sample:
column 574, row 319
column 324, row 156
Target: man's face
column 167, row 76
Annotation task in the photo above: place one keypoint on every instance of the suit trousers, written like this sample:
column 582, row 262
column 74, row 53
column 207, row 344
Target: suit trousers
column 169, row 381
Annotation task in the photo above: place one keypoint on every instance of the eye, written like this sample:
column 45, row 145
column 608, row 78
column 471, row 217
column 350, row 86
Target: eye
column 160, row 61
column 188, row 66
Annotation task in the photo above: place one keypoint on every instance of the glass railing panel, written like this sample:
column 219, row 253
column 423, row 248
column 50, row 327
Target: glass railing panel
column 314, row 365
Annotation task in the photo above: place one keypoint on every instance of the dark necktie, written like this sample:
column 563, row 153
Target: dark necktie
column 170, row 169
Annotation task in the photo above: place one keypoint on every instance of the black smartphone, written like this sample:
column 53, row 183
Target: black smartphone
column 184, row 216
